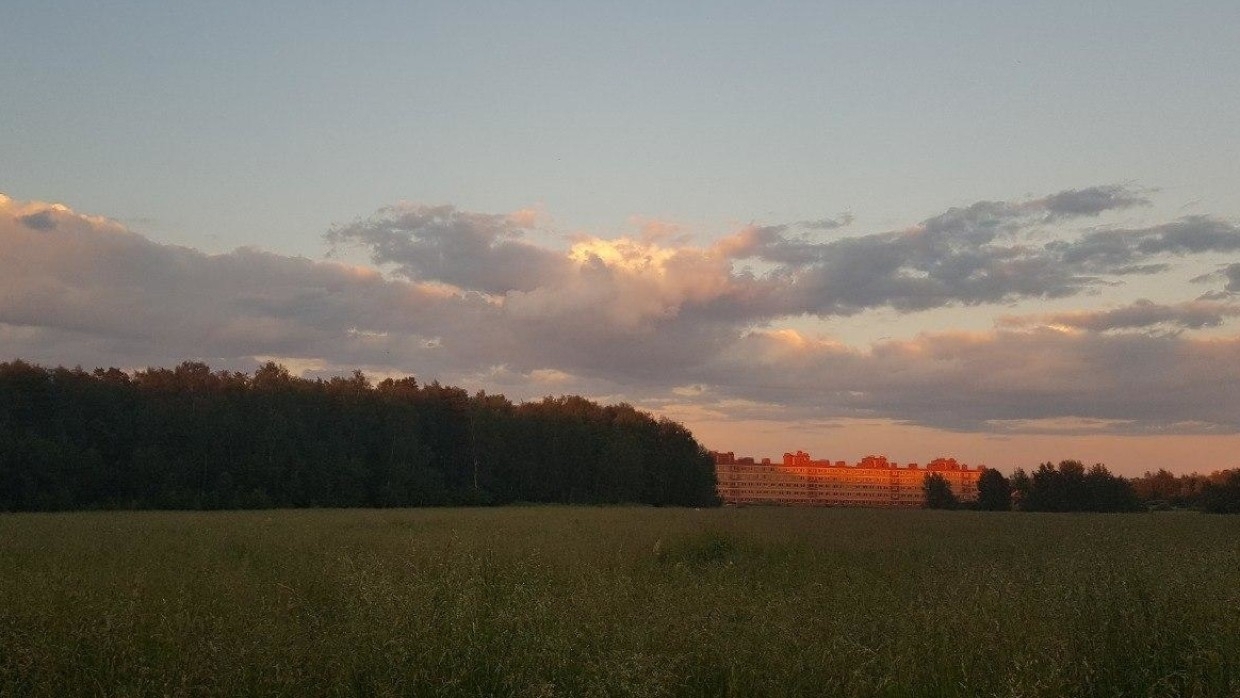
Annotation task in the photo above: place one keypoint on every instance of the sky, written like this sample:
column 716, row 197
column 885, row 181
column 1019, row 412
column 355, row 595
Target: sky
column 1008, row 233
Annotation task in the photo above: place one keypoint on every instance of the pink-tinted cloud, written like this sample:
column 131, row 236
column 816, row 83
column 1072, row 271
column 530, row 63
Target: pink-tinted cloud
column 995, row 381
column 1139, row 315
column 466, row 297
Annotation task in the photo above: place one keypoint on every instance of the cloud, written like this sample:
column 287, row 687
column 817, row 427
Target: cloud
column 843, row 220
column 1090, row 201
column 1140, row 315
column 470, row 250
column 89, row 290
column 1126, row 383
column 969, row 255
column 1232, row 272
column 41, row 220
column 138, row 301
column 1112, row 251
column 467, row 298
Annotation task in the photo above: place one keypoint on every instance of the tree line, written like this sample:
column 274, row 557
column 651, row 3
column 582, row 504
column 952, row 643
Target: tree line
column 193, row 438
column 1070, row 486
column 1218, row 492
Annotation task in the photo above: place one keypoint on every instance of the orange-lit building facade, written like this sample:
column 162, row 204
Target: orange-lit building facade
column 873, row 482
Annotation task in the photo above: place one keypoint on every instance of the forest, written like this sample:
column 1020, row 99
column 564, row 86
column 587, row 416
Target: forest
column 1217, row 492
column 193, row 438
column 1070, row 486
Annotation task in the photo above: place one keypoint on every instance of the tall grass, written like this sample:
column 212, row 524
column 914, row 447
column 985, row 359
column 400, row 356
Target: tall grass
column 619, row 602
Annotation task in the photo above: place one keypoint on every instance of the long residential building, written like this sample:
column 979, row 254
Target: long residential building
column 872, row 482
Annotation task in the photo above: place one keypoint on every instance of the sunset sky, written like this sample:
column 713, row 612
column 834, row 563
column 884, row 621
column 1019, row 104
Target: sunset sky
column 1007, row 233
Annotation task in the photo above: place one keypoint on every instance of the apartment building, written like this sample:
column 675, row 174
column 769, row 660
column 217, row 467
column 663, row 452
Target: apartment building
column 872, row 482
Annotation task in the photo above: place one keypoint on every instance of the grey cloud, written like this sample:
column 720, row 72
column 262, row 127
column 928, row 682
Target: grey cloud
column 1140, row 269
column 1232, row 271
column 1108, row 250
column 1141, row 314
column 1090, row 201
column 843, row 220
column 439, row 243
column 981, row 222
column 967, row 255
column 976, row 224
column 42, row 220
column 918, row 271
column 1191, row 235
column 1229, row 274
column 936, row 266
column 771, row 245
column 1126, row 383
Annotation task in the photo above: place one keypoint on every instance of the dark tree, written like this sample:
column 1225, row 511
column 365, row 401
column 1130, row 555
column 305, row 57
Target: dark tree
column 994, row 492
column 939, row 493
column 192, row 438
column 1021, row 484
column 1222, row 496
column 1163, row 490
column 1161, row 487
column 1106, row 492
column 1069, row 487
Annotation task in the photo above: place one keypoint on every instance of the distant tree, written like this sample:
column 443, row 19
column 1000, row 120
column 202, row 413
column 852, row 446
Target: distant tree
column 1021, row 484
column 1221, row 495
column 1072, row 493
column 1107, row 492
column 939, row 493
column 1069, row 487
column 1163, row 489
column 1161, row 486
column 1056, row 489
column 1043, row 489
column 994, row 492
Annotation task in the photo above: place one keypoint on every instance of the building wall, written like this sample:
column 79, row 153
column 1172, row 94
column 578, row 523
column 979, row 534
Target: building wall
column 872, row 482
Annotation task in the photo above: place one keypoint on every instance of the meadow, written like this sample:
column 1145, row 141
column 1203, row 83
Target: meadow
column 582, row 601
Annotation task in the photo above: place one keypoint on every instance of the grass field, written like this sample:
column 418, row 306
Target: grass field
column 619, row 601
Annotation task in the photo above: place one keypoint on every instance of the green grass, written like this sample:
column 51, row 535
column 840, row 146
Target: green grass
column 619, row 602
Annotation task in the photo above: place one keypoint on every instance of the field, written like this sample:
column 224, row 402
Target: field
column 546, row 601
